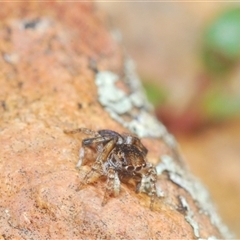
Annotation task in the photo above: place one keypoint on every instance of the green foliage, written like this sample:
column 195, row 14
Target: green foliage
column 219, row 105
column 155, row 94
column 221, row 43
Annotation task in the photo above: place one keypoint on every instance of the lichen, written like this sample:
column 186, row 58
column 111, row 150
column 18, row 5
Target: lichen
column 194, row 187
column 131, row 109
column 189, row 216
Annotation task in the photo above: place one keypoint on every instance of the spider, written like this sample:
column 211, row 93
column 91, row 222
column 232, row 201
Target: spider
column 120, row 157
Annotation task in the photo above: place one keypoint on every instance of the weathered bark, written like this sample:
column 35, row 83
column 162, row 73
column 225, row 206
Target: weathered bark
column 61, row 69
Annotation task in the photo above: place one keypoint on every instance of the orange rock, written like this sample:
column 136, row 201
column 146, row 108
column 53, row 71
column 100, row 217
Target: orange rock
column 61, row 69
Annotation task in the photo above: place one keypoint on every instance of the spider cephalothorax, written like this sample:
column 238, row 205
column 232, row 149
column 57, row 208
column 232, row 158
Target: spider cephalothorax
column 119, row 157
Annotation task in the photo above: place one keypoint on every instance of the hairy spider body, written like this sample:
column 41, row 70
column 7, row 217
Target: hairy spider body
column 119, row 157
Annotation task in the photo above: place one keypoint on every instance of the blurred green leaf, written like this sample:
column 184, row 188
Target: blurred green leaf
column 218, row 105
column 155, row 94
column 222, row 42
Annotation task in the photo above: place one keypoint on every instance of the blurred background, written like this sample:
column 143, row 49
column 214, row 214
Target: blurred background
column 188, row 57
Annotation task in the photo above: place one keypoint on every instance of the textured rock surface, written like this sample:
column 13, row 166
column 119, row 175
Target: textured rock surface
column 49, row 52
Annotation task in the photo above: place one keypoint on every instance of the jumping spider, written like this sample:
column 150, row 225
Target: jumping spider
column 120, row 157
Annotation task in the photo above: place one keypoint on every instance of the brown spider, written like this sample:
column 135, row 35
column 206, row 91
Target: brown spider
column 119, row 157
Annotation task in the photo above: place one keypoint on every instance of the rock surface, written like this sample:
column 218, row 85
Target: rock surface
column 49, row 55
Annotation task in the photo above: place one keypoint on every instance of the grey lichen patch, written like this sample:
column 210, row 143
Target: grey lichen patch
column 110, row 96
column 190, row 216
column 130, row 109
column 159, row 191
column 194, row 187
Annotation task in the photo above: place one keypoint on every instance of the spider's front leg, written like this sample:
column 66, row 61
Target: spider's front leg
column 86, row 142
column 113, row 185
column 83, row 130
column 148, row 184
column 98, row 167
column 153, row 191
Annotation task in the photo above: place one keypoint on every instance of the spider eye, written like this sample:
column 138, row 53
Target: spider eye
column 144, row 165
column 130, row 168
column 138, row 168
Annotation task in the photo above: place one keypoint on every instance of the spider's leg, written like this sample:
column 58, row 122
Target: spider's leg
column 95, row 172
column 116, row 185
column 96, row 136
column 141, row 186
column 82, row 153
column 113, row 185
column 82, row 149
column 83, row 130
column 81, row 157
column 97, row 167
column 92, row 175
column 110, row 133
column 152, row 179
column 97, row 139
column 148, row 184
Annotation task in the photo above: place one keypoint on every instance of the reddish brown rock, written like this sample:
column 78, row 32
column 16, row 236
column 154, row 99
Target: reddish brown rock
column 50, row 52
